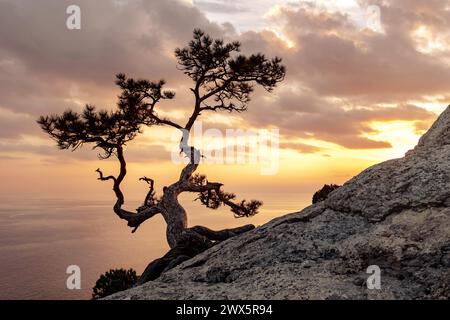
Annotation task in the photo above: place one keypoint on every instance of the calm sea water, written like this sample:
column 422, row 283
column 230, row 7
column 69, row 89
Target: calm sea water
column 40, row 238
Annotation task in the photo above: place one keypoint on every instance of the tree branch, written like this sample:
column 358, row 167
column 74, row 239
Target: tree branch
column 103, row 178
column 221, row 235
column 150, row 198
column 212, row 196
column 143, row 213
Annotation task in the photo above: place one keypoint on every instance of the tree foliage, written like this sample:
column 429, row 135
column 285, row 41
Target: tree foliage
column 323, row 193
column 108, row 130
column 113, row 281
column 223, row 78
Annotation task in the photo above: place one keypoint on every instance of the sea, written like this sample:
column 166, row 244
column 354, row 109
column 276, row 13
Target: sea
column 41, row 238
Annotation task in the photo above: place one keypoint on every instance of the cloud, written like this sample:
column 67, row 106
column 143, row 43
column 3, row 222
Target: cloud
column 14, row 125
column 341, row 77
column 137, row 153
column 340, row 121
column 244, row 15
column 336, row 58
column 221, row 7
column 300, row 147
column 46, row 67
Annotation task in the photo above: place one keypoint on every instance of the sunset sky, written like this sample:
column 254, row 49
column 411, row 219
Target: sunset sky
column 356, row 92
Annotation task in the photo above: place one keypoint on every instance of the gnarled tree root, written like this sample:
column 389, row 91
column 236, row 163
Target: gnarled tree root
column 192, row 242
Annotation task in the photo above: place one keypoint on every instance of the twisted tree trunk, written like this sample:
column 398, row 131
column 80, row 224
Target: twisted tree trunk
column 173, row 213
column 168, row 205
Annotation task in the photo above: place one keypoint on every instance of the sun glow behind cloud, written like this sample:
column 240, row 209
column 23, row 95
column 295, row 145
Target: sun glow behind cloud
column 402, row 135
column 428, row 42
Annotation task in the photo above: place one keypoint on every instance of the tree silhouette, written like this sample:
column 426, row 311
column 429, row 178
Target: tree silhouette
column 323, row 193
column 223, row 81
column 113, row 281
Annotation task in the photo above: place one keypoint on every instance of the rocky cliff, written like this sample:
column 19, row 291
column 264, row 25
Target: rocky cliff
column 395, row 215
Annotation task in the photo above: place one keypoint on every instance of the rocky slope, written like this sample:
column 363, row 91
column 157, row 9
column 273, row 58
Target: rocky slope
column 395, row 215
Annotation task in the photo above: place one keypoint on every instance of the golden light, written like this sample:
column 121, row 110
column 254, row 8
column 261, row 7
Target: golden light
column 428, row 42
column 274, row 15
column 402, row 135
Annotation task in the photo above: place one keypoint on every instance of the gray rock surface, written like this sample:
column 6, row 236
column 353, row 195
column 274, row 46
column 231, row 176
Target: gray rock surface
column 395, row 215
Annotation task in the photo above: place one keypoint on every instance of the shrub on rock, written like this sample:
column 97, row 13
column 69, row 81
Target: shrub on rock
column 113, row 281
